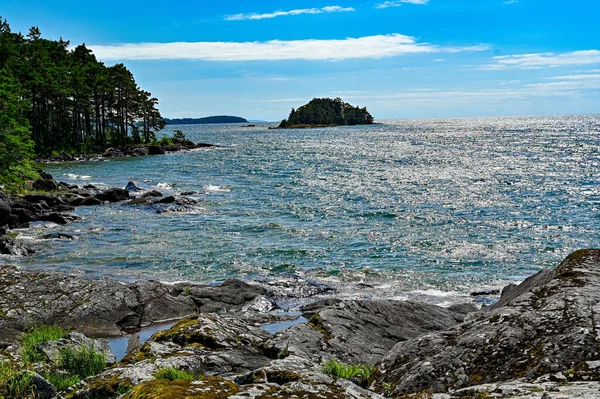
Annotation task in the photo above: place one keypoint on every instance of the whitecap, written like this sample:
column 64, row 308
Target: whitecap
column 165, row 186
column 216, row 189
column 74, row 176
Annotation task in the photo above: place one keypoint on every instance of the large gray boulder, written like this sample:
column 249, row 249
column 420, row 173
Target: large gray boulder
column 548, row 324
column 360, row 331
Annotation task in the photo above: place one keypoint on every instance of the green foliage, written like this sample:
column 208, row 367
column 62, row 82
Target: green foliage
column 31, row 341
column 347, row 371
column 58, row 97
column 16, row 147
column 14, row 383
column 179, row 135
column 172, row 374
column 327, row 111
column 83, row 361
column 164, row 141
column 62, row 381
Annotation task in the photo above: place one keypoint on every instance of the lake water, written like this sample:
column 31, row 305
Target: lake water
column 425, row 209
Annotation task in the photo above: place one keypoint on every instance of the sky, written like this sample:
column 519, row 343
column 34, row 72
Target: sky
column 399, row 58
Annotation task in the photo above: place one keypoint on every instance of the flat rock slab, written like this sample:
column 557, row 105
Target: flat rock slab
column 360, row 331
column 103, row 306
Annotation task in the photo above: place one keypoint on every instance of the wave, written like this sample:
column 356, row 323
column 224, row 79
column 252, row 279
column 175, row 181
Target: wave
column 216, row 189
column 74, row 176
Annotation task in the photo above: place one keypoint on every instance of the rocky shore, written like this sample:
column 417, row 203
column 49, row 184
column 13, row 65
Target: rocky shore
column 538, row 341
column 129, row 151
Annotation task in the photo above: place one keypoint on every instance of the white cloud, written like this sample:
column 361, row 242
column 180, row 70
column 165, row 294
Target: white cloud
column 398, row 3
column 511, row 1
column 576, row 77
column 540, row 60
column 439, row 60
column 379, row 46
column 275, row 14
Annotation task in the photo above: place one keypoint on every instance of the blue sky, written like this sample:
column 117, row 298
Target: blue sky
column 400, row 58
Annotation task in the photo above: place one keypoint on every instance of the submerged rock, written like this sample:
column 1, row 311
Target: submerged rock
column 10, row 246
column 113, row 195
column 547, row 324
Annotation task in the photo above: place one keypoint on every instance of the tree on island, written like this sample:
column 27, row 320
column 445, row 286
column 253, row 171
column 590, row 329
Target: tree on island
column 327, row 112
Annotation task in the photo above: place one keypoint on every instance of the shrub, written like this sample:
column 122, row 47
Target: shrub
column 172, row 374
column 45, row 333
column 178, row 136
column 347, row 371
column 83, row 361
column 15, row 384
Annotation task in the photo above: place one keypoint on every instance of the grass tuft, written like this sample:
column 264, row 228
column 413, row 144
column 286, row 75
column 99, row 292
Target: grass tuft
column 45, row 333
column 334, row 368
column 62, row 381
column 83, row 361
column 172, row 374
column 14, row 383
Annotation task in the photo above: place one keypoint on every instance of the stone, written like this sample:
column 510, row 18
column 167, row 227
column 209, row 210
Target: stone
column 10, row 246
column 58, row 236
column 152, row 193
column 545, row 325
column 58, row 218
column 43, row 388
column 166, row 200
column 155, row 150
column 5, row 208
column 113, row 195
column 231, row 295
column 131, row 186
column 360, row 331
column 105, row 306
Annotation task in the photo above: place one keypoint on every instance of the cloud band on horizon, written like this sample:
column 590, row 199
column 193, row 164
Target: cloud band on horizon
column 374, row 47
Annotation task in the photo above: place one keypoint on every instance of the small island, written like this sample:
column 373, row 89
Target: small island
column 321, row 112
column 206, row 120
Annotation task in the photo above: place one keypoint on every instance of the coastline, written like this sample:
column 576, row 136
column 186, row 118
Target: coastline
column 414, row 348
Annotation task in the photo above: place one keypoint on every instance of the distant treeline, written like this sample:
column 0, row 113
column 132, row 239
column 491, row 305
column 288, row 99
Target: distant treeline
column 208, row 119
column 325, row 112
column 57, row 99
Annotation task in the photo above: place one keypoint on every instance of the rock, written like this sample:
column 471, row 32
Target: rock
column 133, row 343
column 152, row 193
column 545, row 325
column 75, row 341
column 45, row 185
column 58, row 236
column 104, row 306
column 113, row 195
column 295, row 287
column 91, row 201
column 43, row 388
column 58, row 218
column 360, row 331
column 131, row 186
column 9, row 246
column 231, row 295
column 485, row 292
column 5, row 208
column 166, row 200
column 463, row 308
column 90, row 187
column 155, row 150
